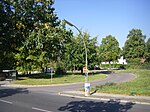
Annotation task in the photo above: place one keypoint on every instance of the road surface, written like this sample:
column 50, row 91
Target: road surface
column 46, row 99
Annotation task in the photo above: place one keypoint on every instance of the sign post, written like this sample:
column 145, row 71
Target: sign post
column 84, row 69
column 86, row 84
column 87, row 89
column 51, row 74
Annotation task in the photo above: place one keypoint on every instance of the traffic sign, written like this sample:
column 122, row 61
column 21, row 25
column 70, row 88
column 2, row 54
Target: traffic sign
column 85, row 70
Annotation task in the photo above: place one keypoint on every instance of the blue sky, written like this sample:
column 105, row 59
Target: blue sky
column 103, row 17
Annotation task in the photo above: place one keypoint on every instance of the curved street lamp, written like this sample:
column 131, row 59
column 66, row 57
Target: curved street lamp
column 86, row 63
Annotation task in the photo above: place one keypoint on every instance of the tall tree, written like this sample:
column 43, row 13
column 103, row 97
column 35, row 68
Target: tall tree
column 7, row 38
column 75, row 51
column 45, row 42
column 135, row 46
column 148, row 50
column 109, row 49
column 31, row 32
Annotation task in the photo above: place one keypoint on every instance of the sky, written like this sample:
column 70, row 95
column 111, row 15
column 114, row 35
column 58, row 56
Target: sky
column 106, row 17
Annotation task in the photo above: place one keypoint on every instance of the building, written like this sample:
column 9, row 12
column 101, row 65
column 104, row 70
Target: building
column 120, row 61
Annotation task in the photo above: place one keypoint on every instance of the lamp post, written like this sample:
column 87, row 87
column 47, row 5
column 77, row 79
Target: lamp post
column 86, row 63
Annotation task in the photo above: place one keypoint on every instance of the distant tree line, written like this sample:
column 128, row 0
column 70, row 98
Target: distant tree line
column 32, row 37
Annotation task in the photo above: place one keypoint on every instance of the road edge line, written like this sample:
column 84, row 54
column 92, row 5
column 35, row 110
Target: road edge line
column 103, row 99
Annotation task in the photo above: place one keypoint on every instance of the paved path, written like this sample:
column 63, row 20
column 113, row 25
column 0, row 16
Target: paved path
column 111, row 78
column 115, row 78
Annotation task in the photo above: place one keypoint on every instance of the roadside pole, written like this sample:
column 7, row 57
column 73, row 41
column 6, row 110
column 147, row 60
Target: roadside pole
column 51, row 74
column 86, row 84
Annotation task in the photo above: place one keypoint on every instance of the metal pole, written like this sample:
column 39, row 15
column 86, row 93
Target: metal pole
column 86, row 84
column 86, row 62
column 51, row 74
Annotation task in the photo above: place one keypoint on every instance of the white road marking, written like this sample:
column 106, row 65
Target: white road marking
column 6, row 101
column 40, row 109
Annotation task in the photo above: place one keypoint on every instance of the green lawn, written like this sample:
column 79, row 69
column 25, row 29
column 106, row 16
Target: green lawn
column 138, row 86
column 44, row 79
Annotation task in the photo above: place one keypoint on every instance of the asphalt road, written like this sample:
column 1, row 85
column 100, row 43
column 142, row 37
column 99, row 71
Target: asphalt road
column 46, row 99
column 111, row 78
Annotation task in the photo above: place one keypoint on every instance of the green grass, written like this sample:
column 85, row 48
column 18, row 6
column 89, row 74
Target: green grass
column 138, row 86
column 44, row 79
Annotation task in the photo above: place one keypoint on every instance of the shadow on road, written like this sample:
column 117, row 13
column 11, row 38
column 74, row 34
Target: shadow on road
column 12, row 91
column 106, row 72
column 91, row 106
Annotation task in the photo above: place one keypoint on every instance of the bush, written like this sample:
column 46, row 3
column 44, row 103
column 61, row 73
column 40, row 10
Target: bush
column 2, row 76
column 60, row 71
column 145, row 66
column 136, row 64
column 120, row 66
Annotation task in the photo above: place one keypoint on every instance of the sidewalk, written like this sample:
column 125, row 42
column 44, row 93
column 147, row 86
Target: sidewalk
column 108, row 97
column 4, row 83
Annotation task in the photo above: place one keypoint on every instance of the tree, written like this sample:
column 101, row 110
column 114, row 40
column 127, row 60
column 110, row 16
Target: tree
column 44, row 45
column 75, row 52
column 148, row 50
column 109, row 49
column 7, row 39
column 33, row 19
column 31, row 34
column 135, row 47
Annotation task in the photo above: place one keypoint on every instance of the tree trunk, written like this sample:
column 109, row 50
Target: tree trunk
column 81, row 71
column 109, row 66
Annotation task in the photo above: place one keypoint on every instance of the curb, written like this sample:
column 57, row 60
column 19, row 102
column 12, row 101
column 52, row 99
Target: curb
column 108, row 97
column 19, row 85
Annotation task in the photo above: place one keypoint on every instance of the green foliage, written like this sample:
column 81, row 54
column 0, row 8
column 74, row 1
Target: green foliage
column 18, row 18
column 135, row 46
column 32, row 37
column 2, row 76
column 136, row 51
column 120, row 66
column 7, row 38
column 103, row 86
column 146, row 66
column 135, row 65
column 45, row 42
column 60, row 68
column 109, row 49
column 148, row 50
column 75, row 52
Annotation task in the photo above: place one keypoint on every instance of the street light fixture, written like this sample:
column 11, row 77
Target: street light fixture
column 70, row 24
column 86, row 63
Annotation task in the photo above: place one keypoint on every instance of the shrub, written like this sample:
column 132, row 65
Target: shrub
column 2, row 76
column 60, row 71
column 136, row 64
column 120, row 66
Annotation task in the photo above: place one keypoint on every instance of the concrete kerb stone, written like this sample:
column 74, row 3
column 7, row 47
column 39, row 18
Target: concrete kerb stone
column 8, row 84
column 108, row 97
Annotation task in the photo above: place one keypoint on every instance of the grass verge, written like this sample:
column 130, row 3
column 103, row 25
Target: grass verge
column 44, row 79
column 139, row 86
